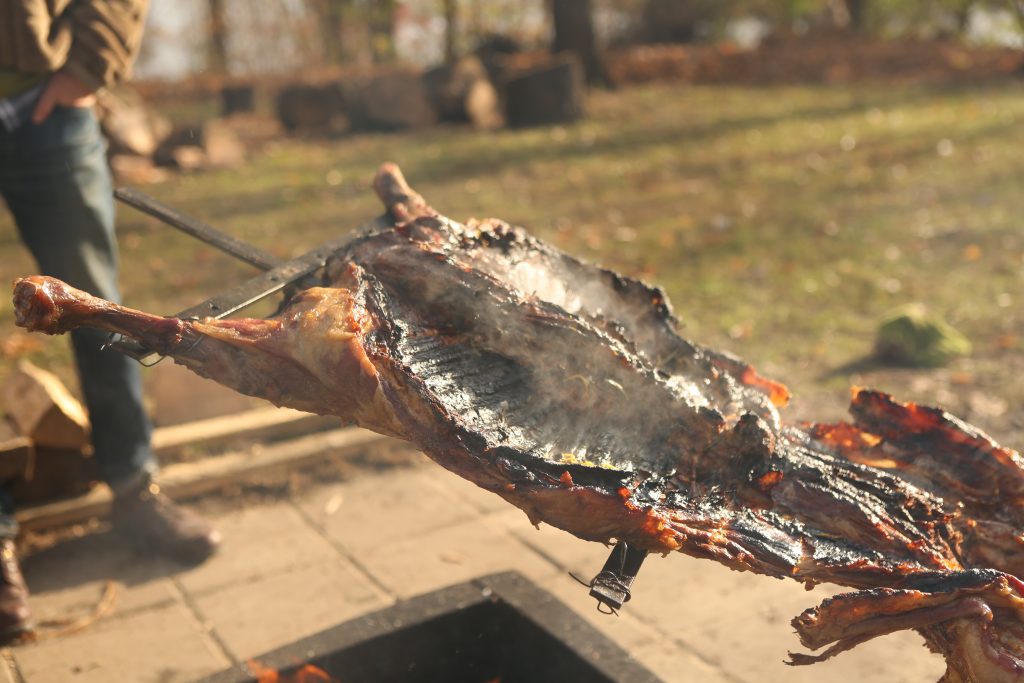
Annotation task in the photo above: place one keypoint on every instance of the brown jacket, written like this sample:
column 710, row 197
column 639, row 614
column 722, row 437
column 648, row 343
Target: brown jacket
column 95, row 40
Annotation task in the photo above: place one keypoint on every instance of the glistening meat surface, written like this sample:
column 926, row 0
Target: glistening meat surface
column 564, row 389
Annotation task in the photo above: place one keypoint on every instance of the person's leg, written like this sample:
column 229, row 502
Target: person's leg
column 56, row 182
column 61, row 196
column 15, row 613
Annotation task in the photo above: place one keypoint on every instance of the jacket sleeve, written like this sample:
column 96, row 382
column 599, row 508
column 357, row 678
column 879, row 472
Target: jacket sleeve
column 106, row 35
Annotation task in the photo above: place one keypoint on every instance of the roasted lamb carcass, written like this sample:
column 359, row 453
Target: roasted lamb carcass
column 564, row 389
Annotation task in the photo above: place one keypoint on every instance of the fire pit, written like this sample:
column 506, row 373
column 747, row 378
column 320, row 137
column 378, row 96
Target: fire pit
column 496, row 628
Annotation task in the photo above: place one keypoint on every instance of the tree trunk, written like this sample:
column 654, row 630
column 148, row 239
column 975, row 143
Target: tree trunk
column 332, row 22
column 451, row 29
column 668, row 21
column 1018, row 11
column 381, row 22
column 963, row 16
column 217, row 46
column 550, row 93
column 574, row 32
column 858, row 11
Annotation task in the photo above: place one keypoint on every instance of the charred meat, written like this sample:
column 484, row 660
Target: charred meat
column 564, row 389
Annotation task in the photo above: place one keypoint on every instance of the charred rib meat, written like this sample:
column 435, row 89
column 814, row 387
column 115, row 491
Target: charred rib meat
column 564, row 389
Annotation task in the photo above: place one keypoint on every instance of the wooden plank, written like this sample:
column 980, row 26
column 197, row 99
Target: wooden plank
column 185, row 480
column 260, row 423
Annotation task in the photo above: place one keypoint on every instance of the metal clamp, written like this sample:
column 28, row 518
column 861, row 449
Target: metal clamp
column 611, row 587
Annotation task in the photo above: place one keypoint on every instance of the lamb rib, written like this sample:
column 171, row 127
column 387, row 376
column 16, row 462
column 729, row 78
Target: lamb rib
column 564, row 388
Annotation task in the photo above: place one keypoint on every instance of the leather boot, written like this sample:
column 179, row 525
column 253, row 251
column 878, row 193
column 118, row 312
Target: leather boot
column 15, row 616
column 154, row 523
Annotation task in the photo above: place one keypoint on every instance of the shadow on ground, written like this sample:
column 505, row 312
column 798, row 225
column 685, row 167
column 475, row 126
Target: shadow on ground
column 72, row 574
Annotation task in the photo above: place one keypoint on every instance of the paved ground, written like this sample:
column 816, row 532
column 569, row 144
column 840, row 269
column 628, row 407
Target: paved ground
column 338, row 550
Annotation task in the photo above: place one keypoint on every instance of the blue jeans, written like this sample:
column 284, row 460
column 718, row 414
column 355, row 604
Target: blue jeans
column 55, row 180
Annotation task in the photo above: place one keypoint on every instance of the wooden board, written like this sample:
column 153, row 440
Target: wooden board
column 259, row 423
column 192, row 479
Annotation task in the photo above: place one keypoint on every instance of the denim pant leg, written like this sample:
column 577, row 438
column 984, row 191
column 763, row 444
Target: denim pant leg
column 55, row 180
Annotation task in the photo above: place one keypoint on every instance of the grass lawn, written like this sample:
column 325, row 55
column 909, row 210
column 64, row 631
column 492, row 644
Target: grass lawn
column 784, row 222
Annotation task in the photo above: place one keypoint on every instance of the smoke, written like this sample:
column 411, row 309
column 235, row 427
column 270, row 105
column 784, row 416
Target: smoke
column 535, row 350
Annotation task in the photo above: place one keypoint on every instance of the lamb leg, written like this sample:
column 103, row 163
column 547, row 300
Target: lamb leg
column 266, row 358
column 45, row 304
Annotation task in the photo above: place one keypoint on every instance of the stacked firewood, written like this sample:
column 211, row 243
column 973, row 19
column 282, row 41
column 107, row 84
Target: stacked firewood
column 486, row 91
column 142, row 142
column 45, row 450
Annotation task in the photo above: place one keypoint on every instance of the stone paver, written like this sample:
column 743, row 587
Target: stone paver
column 423, row 562
column 68, row 579
column 674, row 664
column 257, row 616
column 739, row 622
column 369, row 511
column 481, row 500
column 582, row 558
column 258, row 541
column 160, row 645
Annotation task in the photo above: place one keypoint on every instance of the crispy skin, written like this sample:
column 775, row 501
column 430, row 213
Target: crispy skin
column 563, row 388
column 973, row 617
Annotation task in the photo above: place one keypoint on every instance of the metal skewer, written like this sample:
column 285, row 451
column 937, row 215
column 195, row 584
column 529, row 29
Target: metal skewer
column 201, row 231
column 279, row 274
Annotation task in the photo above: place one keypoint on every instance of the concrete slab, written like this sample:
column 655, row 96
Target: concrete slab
column 571, row 554
column 441, row 557
column 713, row 620
column 673, row 664
column 373, row 511
column 257, row 616
column 481, row 500
column 259, row 541
column 68, row 579
column 739, row 622
column 161, row 645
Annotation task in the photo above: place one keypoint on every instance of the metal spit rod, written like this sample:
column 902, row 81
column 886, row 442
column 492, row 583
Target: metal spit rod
column 279, row 274
column 201, row 231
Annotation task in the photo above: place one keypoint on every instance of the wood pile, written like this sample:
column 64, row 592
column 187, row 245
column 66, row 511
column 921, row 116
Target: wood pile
column 305, row 106
column 463, row 92
column 550, row 93
column 45, row 449
column 209, row 144
column 396, row 100
column 545, row 89
column 143, row 143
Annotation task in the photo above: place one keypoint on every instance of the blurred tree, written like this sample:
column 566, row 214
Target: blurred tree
column 217, row 45
column 962, row 12
column 451, row 29
column 1017, row 8
column 574, row 32
column 380, row 19
column 331, row 15
column 858, row 13
column 669, row 21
